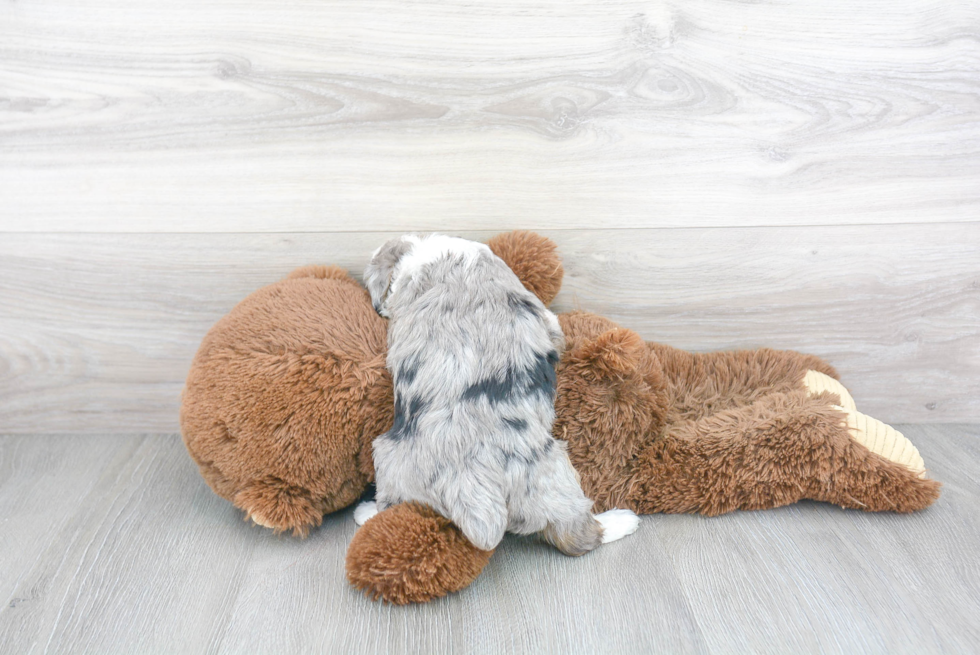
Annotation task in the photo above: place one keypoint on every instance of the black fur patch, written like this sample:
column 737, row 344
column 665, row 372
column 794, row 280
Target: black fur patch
column 408, row 371
column 518, row 424
column 542, row 374
column 519, row 303
column 511, row 457
column 494, row 389
column 539, row 378
column 406, row 418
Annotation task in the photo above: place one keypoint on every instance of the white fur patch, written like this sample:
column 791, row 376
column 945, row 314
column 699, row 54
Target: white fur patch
column 429, row 249
column 617, row 523
column 365, row 511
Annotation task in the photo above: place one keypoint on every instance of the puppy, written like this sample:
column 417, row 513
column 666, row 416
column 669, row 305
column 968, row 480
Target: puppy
column 472, row 354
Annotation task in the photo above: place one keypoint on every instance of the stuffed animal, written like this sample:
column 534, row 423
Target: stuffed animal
column 287, row 392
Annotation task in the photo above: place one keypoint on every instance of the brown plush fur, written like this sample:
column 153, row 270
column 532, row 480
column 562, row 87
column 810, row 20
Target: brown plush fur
column 412, row 556
column 534, row 259
column 656, row 429
column 287, row 392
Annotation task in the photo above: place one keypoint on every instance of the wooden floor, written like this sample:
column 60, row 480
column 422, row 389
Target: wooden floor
column 115, row 544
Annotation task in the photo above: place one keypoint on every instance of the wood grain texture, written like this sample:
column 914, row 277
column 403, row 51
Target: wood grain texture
column 133, row 553
column 97, row 331
column 308, row 116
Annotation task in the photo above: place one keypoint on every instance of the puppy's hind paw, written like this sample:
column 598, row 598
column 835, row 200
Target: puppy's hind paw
column 365, row 511
column 617, row 523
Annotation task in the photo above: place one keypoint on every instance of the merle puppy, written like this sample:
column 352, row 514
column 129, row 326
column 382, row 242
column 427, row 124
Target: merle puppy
column 473, row 354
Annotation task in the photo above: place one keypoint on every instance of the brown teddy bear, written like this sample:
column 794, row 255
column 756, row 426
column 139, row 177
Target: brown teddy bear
column 287, row 392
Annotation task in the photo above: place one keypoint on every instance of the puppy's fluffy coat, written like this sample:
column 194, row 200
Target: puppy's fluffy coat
column 472, row 354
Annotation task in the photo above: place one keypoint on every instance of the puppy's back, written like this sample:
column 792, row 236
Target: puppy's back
column 466, row 331
column 473, row 356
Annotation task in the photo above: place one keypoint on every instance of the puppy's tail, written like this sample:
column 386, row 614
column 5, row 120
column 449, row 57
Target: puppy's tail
column 588, row 532
column 575, row 538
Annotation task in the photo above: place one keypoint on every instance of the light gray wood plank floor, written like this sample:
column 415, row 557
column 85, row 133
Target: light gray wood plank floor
column 114, row 544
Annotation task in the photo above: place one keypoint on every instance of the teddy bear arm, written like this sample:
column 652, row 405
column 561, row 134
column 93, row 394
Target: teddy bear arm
column 611, row 399
column 776, row 451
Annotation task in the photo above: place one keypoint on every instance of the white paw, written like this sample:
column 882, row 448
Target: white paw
column 617, row 523
column 365, row 511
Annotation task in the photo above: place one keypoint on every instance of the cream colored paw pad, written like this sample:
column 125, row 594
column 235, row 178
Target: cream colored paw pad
column 817, row 382
column 882, row 439
column 260, row 520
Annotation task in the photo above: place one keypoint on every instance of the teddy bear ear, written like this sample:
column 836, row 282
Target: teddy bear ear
column 534, row 259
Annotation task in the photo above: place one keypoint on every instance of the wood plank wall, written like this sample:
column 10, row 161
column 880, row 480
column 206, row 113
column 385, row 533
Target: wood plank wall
column 718, row 174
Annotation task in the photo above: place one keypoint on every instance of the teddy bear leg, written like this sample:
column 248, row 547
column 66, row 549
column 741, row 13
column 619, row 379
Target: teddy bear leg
column 705, row 383
column 783, row 448
column 410, row 554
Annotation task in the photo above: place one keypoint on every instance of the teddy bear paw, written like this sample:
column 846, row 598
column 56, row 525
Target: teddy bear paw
column 817, row 382
column 882, row 439
column 617, row 523
column 260, row 520
column 878, row 437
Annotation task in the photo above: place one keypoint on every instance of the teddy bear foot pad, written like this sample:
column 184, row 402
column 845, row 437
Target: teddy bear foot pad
column 878, row 437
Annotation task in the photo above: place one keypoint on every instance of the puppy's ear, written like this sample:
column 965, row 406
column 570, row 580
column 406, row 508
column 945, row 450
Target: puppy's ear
column 377, row 279
column 380, row 272
column 534, row 259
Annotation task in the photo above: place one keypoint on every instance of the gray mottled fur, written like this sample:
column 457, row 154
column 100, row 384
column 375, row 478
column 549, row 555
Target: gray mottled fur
column 473, row 357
